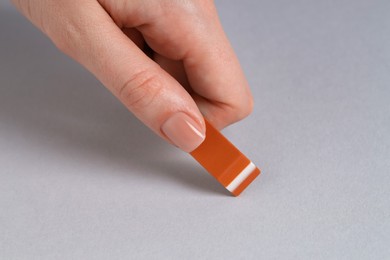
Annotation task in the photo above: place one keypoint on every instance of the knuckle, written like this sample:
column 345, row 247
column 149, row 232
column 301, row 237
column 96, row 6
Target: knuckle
column 242, row 110
column 247, row 108
column 140, row 90
column 68, row 38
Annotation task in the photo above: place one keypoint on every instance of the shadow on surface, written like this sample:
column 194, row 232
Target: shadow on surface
column 47, row 99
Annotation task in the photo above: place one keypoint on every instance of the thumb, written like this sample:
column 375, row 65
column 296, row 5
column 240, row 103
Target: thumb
column 156, row 98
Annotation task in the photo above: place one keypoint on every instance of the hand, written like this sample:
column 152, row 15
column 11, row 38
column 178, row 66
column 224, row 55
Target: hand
column 167, row 61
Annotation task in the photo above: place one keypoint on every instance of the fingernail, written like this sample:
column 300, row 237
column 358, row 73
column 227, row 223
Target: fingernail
column 183, row 131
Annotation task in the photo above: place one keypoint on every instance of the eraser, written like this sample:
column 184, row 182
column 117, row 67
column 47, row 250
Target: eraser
column 225, row 162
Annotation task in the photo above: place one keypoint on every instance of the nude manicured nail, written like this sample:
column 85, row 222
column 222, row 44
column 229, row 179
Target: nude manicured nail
column 183, row 131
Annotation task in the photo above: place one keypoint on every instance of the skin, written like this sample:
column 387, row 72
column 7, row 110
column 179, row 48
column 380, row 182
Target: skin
column 158, row 57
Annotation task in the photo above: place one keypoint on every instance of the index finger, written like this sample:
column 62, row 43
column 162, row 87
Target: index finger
column 215, row 74
column 191, row 31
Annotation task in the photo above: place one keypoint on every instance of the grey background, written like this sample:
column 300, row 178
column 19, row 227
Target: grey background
column 80, row 178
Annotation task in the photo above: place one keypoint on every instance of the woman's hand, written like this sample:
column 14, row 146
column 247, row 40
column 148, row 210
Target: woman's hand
column 167, row 61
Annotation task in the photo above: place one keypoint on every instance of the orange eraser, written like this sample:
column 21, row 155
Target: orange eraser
column 225, row 162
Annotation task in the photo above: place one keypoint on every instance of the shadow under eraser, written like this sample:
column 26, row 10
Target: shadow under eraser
column 225, row 162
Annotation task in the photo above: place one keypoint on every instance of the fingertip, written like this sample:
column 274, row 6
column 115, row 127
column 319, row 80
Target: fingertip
column 222, row 115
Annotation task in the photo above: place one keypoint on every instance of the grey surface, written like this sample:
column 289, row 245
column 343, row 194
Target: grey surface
column 80, row 178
